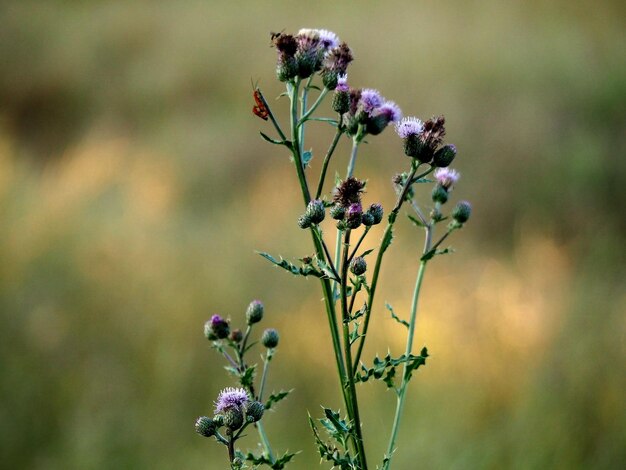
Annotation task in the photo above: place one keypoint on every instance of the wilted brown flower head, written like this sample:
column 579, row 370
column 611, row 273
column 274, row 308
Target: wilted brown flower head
column 434, row 131
column 348, row 192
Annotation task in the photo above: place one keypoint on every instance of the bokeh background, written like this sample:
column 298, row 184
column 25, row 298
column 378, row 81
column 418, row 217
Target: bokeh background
column 134, row 189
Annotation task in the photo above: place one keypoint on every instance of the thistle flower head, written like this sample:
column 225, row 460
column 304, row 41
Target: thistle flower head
column 342, row 83
column 337, row 59
column 434, row 131
column 409, row 126
column 370, row 100
column 354, row 215
column 328, row 39
column 230, row 398
column 348, row 192
column 446, row 177
column 391, row 111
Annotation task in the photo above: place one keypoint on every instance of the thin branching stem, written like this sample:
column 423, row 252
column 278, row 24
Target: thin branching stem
column 356, row 421
column 326, row 286
column 329, row 154
column 379, row 257
column 409, row 348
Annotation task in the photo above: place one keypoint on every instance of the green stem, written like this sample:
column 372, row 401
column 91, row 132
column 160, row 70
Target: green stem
column 266, row 363
column 409, row 347
column 319, row 100
column 326, row 286
column 358, row 244
column 379, row 258
column 303, row 101
column 352, row 163
column 272, row 118
column 356, row 420
column 333, row 145
column 264, row 440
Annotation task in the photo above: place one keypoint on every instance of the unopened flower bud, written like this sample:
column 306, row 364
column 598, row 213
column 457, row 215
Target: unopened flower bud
column 233, row 418
column 287, row 69
column 444, row 156
column 358, row 265
column 205, row 426
column 315, row 211
column 329, row 79
column 376, row 211
column 304, row 221
column 337, row 212
column 440, row 194
column 461, row 213
column 342, row 225
column 367, row 219
column 216, row 328
column 354, row 215
column 236, row 336
column 254, row 312
column 270, row 338
column 254, row 411
column 341, row 101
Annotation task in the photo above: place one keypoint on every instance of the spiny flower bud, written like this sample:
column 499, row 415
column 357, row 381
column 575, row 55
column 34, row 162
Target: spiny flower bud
column 270, row 338
column 367, row 219
column 358, row 265
column 216, row 328
column 254, row 312
column 236, row 336
column 254, row 411
column 354, row 215
column 304, row 221
column 233, row 418
column 205, row 426
column 376, row 211
column 315, row 211
column 440, row 194
column 337, row 212
column 461, row 213
column 444, row 156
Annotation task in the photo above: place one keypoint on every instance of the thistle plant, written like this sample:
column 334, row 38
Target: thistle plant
column 313, row 64
column 238, row 408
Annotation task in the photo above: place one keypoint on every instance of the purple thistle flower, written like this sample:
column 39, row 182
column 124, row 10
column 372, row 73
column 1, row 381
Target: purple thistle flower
column 328, row 39
column 230, row 398
column 391, row 110
column 342, row 83
column 370, row 100
column 447, row 177
column 354, row 209
column 409, row 126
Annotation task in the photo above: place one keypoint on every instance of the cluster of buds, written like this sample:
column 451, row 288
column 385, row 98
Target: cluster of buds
column 423, row 140
column 347, row 208
column 311, row 51
column 363, row 111
column 233, row 410
column 218, row 328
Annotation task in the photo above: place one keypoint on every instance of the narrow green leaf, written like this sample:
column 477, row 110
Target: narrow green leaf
column 395, row 317
column 270, row 140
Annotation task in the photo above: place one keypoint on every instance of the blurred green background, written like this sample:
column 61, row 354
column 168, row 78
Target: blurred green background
column 134, row 188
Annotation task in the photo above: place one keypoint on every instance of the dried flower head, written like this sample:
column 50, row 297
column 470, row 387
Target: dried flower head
column 348, row 192
column 447, row 177
column 433, row 133
column 337, row 59
column 230, row 398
